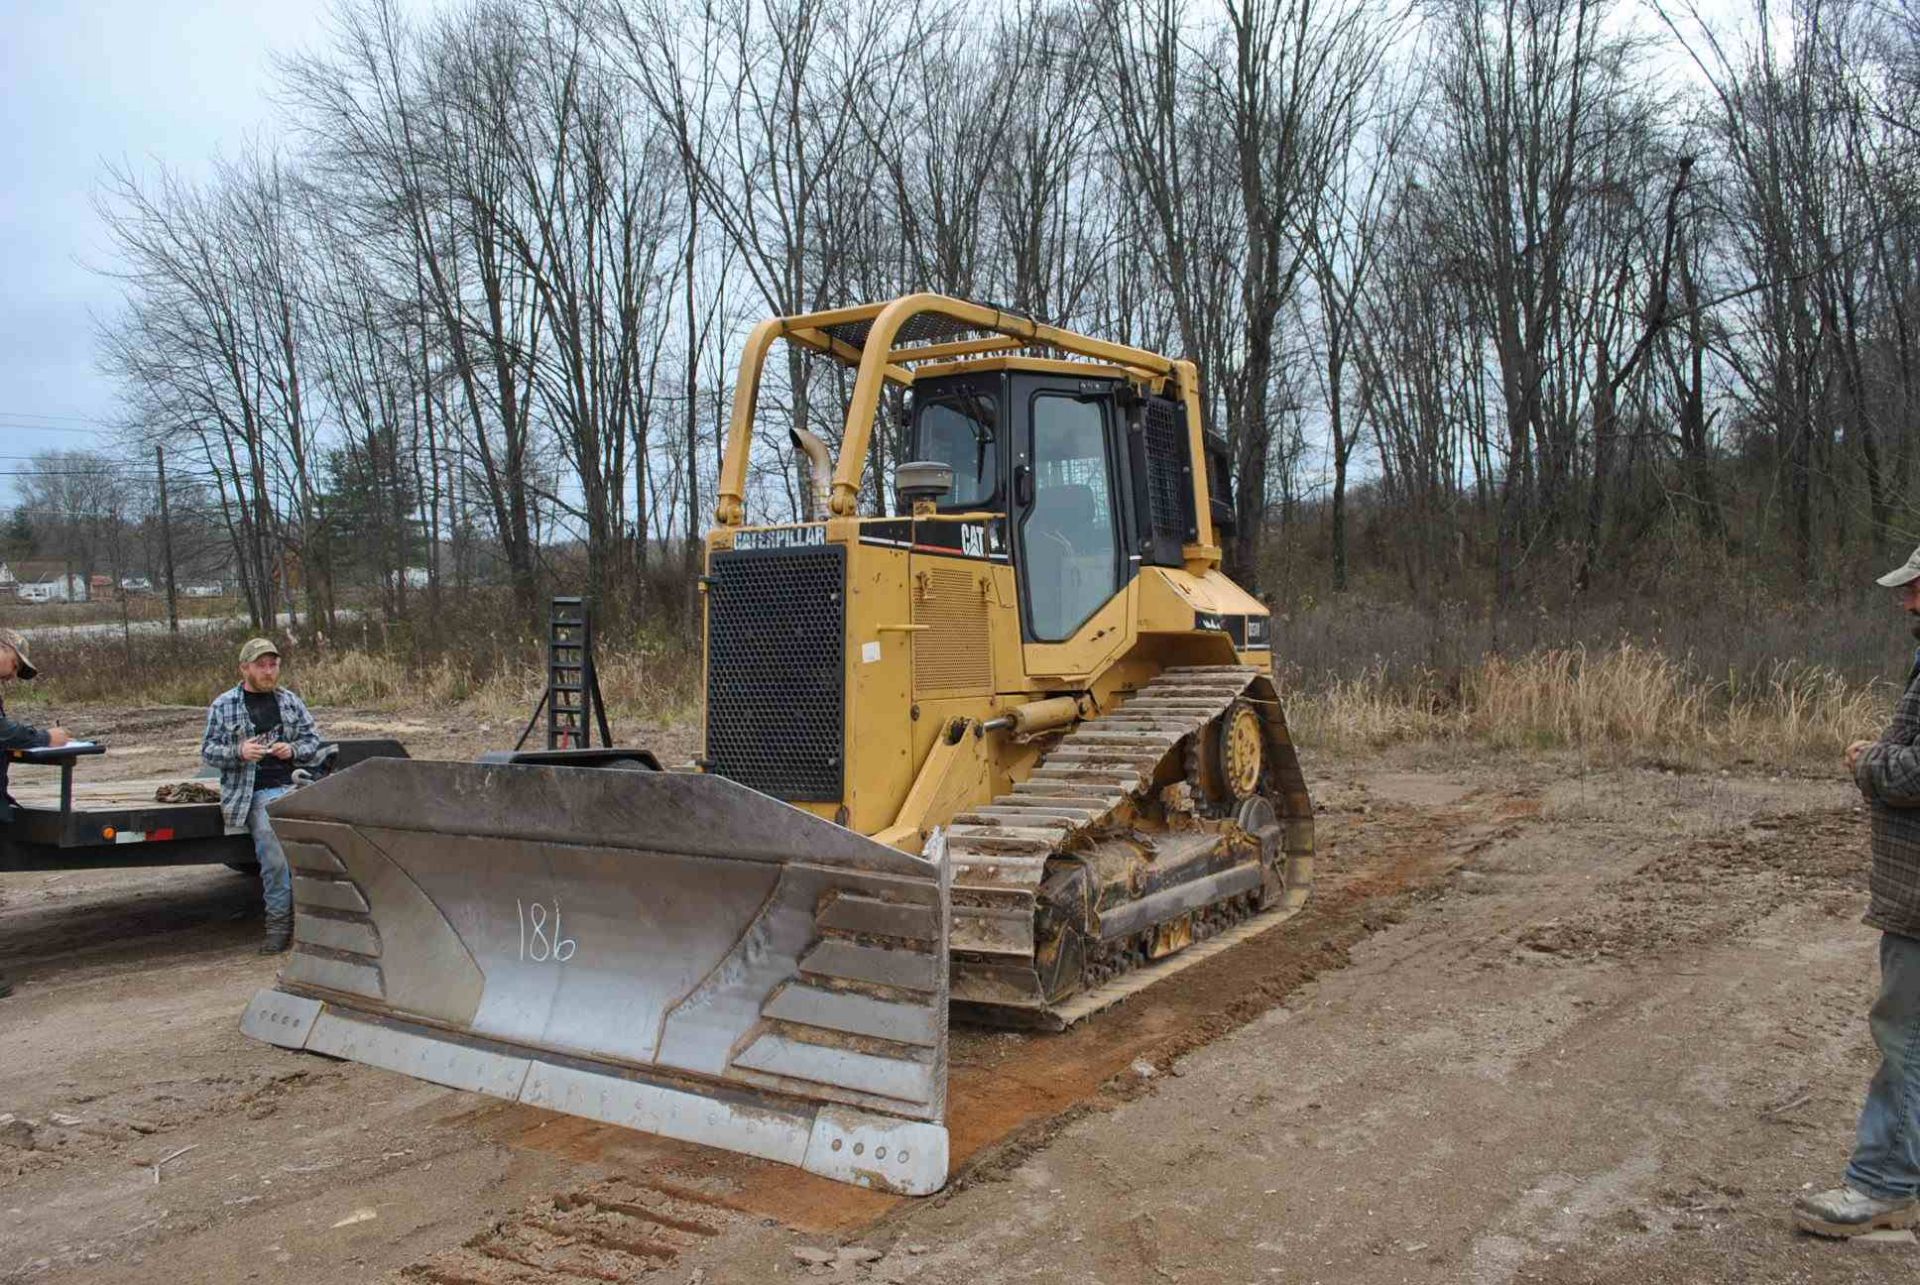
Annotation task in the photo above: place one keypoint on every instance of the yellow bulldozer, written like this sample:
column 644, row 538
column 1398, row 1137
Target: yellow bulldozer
column 1007, row 753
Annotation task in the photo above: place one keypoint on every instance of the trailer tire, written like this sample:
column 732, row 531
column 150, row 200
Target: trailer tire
column 248, row 868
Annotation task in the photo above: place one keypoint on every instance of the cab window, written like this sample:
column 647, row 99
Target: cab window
column 960, row 431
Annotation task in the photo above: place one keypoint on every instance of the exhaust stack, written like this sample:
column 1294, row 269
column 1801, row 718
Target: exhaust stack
column 819, row 490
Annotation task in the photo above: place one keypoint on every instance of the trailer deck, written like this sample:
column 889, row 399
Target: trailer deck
column 61, row 823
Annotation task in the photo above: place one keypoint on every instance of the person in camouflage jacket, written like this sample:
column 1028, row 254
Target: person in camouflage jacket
column 1882, row 1187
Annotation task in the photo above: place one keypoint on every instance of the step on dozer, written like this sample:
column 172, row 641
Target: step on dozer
column 1010, row 752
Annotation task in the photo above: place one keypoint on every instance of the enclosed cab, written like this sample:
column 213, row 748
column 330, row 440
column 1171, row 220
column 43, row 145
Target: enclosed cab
column 1089, row 476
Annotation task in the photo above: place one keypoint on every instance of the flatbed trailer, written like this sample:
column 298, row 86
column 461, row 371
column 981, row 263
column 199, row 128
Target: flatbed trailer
column 79, row 825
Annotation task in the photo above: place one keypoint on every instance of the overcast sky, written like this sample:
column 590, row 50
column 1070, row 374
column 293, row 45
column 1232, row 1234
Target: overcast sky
column 177, row 81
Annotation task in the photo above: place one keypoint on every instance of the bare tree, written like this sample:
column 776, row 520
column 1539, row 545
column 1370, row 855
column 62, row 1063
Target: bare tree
column 1226, row 148
column 208, row 349
column 1342, row 230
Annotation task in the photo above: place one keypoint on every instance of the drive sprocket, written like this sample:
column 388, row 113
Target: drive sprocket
column 1243, row 760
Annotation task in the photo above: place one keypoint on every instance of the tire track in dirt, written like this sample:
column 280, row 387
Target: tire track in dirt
column 1701, row 889
column 612, row 1230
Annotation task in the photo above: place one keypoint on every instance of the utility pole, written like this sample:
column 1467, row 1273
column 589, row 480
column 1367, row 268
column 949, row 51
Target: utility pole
column 166, row 542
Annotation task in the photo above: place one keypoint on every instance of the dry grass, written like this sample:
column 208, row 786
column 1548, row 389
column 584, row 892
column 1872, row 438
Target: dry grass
column 1858, row 637
column 654, row 683
column 1629, row 699
column 648, row 681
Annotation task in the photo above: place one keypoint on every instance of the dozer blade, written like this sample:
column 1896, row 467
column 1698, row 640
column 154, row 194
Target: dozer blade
column 670, row 952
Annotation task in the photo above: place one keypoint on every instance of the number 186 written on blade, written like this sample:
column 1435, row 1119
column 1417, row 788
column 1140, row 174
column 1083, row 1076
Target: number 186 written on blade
column 540, row 939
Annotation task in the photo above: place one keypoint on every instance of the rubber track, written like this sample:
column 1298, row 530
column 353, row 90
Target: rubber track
column 1000, row 851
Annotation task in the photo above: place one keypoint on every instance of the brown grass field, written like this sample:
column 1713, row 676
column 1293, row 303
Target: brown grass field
column 1627, row 701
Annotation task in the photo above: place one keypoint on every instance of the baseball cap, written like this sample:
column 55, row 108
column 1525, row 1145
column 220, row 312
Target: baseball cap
column 14, row 639
column 254, row 648
column 1904, row 573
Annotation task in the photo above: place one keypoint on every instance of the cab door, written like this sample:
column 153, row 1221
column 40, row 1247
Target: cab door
column 1066, row 519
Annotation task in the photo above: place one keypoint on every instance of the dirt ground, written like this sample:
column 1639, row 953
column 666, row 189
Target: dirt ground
column 1540, row 1022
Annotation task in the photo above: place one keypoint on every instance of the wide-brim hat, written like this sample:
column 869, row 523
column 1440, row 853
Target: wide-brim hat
column 15, row 639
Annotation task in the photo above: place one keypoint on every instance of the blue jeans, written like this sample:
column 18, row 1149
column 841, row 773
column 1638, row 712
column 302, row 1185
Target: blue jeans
column 275, row 879
column 1886, row 1158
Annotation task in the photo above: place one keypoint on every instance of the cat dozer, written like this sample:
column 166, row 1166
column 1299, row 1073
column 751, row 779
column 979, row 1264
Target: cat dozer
column 1009, row 752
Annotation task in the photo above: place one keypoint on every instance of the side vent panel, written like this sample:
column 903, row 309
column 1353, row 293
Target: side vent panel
column 953, row 656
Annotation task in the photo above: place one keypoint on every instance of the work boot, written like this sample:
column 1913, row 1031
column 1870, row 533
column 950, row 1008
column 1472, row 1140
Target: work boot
column 279, row 935
column 1847, row 1211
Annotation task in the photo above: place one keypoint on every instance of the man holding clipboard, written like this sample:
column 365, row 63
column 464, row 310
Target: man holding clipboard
column 15, row 664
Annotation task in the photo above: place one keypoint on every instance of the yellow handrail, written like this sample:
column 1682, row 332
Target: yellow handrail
column 878, row 362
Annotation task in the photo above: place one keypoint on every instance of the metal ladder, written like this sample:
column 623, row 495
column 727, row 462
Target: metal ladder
column 572, row 701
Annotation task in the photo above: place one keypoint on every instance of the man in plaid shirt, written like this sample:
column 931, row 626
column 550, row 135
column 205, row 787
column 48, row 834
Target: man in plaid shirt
column 1882, row 1188
column 257, row 733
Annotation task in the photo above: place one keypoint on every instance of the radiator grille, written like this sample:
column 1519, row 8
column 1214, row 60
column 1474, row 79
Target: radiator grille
column 776, row 673
column 1169, row 486
column 953, row 657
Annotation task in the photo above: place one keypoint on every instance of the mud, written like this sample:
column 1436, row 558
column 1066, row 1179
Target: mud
column 1539, row 1022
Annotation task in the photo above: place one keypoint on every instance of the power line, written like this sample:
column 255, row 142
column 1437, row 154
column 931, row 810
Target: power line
column 77, row 473
column 59, row 428
column 62, row 513
column 74, row 461
column 34, row 414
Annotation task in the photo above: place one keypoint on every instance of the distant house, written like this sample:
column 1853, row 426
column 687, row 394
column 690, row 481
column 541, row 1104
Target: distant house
column 47, row 580
column 55, row 589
